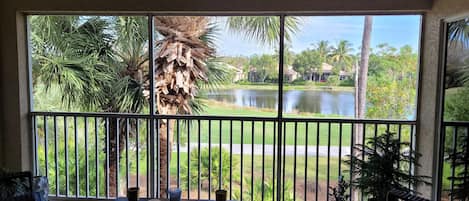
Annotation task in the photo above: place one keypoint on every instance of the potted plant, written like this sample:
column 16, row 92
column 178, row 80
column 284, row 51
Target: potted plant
column 339, row 193
column 378, row 171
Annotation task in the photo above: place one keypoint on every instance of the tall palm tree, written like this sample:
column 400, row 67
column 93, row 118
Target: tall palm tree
column 181, row 62
column 100, row 72
column 360, row 89
column 324, row 50
column 341, row 56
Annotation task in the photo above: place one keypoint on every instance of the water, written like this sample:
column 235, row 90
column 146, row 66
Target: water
column 323, row 102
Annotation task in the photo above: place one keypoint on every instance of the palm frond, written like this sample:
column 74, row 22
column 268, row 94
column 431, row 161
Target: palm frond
column 263, row 29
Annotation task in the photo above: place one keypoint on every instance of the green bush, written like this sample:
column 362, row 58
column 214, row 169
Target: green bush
column 205, row 167
column 347, row 83
column 333, row 80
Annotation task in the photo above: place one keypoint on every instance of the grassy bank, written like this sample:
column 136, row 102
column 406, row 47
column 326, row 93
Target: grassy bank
column 246, row 132
column 274, row 86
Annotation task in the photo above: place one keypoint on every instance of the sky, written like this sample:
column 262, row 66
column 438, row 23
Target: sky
column 396, row 30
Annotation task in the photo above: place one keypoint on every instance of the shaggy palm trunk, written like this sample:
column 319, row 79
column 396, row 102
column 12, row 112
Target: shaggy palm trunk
column 179, row 63
column 115, row 132
column 166, row 141
column 362, row 81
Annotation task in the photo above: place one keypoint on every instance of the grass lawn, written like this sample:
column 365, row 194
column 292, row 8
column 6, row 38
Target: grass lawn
column 268, row 167
column 243, row 132
column 287, row 86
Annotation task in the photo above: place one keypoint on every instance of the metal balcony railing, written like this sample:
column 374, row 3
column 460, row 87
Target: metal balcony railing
column 100, row 155
column 455, row 147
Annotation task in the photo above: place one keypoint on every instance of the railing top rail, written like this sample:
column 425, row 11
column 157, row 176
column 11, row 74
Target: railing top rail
column 214, row 117
column 456, row 123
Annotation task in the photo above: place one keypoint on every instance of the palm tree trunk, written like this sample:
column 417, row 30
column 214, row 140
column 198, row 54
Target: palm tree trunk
column 362, row 81
column 115, row 131
column 166, row 141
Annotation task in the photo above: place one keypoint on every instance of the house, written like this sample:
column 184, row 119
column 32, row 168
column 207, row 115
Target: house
column 290, row 74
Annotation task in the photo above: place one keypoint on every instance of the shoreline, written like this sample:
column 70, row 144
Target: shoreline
column 286, row 87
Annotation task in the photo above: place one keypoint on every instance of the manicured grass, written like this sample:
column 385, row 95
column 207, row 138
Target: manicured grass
column 274, row 86
column 238, row 132
column 268, row 167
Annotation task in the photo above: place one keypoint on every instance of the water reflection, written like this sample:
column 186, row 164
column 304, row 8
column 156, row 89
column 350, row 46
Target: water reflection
column 323, row 102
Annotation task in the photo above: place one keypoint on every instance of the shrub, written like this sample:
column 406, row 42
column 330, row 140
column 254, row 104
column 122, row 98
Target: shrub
column 377, row 171
column 205, row 169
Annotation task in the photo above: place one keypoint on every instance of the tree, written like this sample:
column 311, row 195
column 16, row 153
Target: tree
column 341, row 56
column 94, row 70
column 305, row 61
column 324, row 50
column 360, row 90
column 98, row 71
column 181, row 63
column 266, row 66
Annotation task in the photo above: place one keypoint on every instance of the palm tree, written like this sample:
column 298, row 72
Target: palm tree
column 324, row 50
column 181, row 62
column 360, row 89
column 341, row 56
column 97, row 71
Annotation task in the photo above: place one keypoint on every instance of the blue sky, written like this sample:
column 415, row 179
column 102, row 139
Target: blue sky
column 397, row 31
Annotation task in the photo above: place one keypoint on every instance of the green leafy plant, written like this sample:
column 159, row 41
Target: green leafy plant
column 339, row 193
column 205, row 172
column 269, row 190
column 377, row 172
column 459, row 159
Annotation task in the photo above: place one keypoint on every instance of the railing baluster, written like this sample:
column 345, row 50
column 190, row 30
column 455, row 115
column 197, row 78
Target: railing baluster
column 294, row 159
column 188, row 160
column 87, row 177
column 148, row 153
column 352, row 129
column 242, row 154
column 107, row 157
column 127, row 153
column 57, row 186
column 362, row 197
column 399, row 129
column 158, row 160
column 318, row 125
column 67, row 190
column 453, row 169
column 375, row 135
column 96, row 154
column 137, row 150
column 252, row 160
column 274, row 184
column 340, row 150
column 220, row 165
column 178, row 154
column 284, row 158
column 117, row 154
column 168, row 157
column 410, row 153
column 77, row 179
column 198, row 160
column 306, row 160
column 328, row 159
column 231, row 159
column 209, row 158
column 263, row 160
column 46, row 148
column 35, row 145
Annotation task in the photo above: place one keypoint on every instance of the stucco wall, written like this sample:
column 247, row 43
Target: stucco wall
column 429, row 112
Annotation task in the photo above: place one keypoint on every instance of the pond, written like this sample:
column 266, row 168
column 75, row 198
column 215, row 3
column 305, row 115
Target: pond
column 294, row 101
